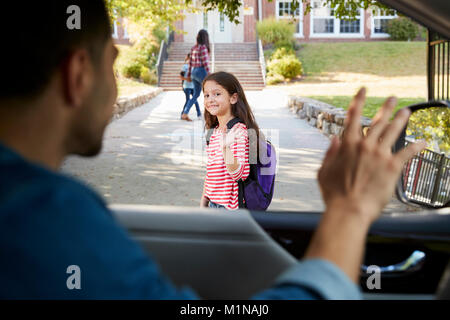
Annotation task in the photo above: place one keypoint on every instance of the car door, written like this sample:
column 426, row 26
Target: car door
column 232, row 257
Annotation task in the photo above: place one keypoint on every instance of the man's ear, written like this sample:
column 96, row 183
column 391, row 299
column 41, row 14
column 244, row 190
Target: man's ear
column 234, row 98
column 77, row 77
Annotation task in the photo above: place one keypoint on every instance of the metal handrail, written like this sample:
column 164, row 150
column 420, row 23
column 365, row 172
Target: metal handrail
column 262, row 60
column 162, row 56
column 426, row 178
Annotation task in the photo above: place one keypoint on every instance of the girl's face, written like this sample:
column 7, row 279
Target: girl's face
column 217, row 99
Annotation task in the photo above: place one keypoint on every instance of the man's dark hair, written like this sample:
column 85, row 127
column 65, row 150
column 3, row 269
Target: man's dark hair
column 36, row 40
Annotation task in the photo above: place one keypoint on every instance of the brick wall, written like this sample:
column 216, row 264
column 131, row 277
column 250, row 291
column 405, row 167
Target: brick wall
column 268, row 8
column 306, row 24
column 250, row 21
column 367, row 24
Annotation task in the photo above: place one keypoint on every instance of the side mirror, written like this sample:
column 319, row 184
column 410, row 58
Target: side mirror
column 425, row 179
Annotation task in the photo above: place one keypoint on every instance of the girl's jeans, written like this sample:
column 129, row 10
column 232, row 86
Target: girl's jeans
column 197, row 76
column 215, row 205
column 190, row 92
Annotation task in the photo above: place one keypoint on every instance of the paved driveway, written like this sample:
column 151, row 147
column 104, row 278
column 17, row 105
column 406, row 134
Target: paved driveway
column 151, row 157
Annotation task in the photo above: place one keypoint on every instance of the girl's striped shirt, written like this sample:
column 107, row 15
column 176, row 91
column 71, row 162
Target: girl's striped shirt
column 221, row 186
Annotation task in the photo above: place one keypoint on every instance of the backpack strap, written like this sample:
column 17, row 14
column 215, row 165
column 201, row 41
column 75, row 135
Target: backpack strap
column 209, row 133
column 241, row 184
column 232, row 122
column 241, row 194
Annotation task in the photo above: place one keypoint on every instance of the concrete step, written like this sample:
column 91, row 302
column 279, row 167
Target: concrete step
column 241, row 59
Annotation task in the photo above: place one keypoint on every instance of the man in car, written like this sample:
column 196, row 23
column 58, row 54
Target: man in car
column 57, row 100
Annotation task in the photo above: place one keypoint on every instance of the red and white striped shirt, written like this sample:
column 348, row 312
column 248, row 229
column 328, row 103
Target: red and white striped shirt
column 199, row 58
column 221, row 186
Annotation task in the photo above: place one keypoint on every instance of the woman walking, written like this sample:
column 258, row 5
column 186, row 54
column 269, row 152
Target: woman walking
column 198, row 69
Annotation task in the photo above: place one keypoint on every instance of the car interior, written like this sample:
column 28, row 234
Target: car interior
column 233, row 256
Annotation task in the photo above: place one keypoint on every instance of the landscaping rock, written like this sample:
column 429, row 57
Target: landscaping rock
column 319, row 121
column 339, row 119
column 326, row 127
column 125, row 104
column 301, row 114
column 308, row 109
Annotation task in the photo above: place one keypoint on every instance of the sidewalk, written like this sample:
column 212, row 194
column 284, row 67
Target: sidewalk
column 151, row 157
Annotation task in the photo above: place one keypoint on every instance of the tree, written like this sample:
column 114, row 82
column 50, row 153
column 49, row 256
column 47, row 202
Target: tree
column 343, row 9
column 169, row 11
column 165, row 12
column 432, row 125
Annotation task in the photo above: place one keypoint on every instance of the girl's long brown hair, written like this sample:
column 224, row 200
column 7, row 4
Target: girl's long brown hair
column 203, row 38
column 241, row 109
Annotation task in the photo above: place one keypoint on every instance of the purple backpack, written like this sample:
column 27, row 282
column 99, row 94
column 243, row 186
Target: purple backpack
column 256, row 192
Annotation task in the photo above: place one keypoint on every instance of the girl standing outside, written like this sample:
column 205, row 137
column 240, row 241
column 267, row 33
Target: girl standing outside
column 198, row 69
column 188, row 86
column 228, row 151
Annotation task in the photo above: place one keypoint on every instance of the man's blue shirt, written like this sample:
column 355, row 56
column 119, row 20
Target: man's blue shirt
column 49, row 222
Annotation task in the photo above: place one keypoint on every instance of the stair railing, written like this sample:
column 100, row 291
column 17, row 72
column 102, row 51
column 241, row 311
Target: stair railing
column 262, row 60
column 163, row 55
column 161, row 58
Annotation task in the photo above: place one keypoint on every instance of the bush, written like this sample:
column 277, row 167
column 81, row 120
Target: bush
column 288, row 66
column 288, row 44
column 138, row 61
column 272, row 31
column 148, row 77
column 132, row 70
column 402, row 29
column 282, row 52
column 274, row 79
column 283, row 62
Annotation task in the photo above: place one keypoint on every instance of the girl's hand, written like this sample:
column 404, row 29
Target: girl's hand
column 358, row 174
column 227, row 139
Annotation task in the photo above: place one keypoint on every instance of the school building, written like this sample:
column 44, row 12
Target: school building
column 319, row 24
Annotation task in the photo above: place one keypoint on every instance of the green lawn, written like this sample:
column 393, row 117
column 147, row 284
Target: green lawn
column 372, row 103
column 334, row 71
column 382, row 58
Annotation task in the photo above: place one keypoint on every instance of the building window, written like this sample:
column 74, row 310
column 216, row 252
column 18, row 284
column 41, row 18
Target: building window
column 349, row 26
column 323, row 18
column 325, row 24
column 380, row 19
column 284, row 11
